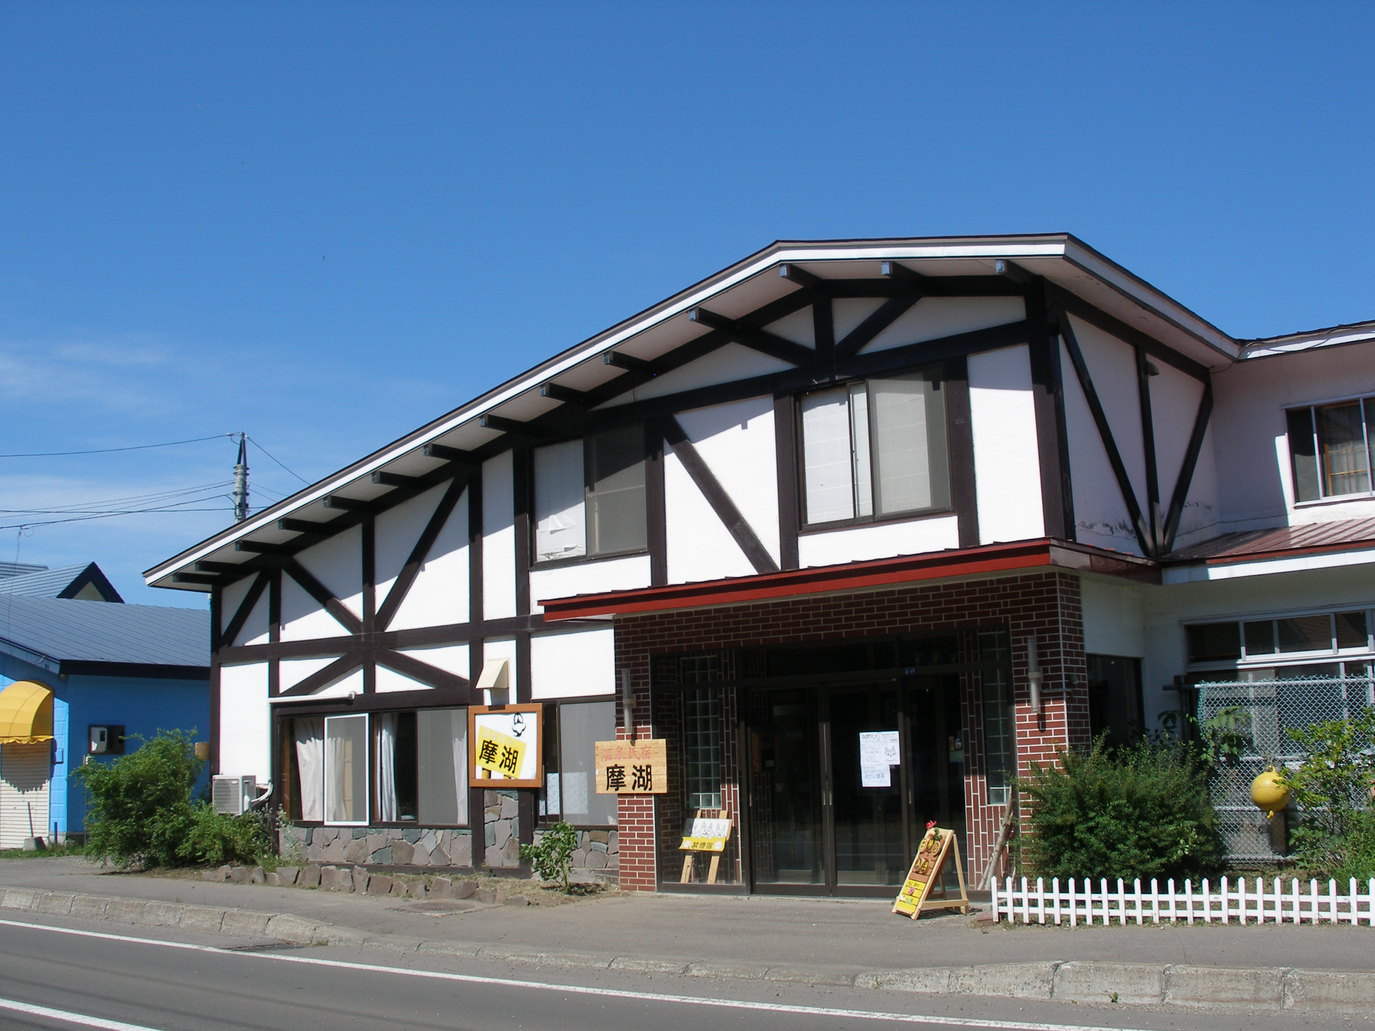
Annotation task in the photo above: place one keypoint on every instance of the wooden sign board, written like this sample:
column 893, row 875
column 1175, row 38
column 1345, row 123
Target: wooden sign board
column 632, row 767
column 935, row 849
column 707, row 834
column 505, row 746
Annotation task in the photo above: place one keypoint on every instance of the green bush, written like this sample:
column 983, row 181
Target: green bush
column 1141, row 811
column 1335, row 835
column 552, row 855
column 140, row 812
column 217, row 838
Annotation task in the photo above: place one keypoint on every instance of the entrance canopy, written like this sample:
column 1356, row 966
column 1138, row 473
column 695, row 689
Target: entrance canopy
column 26, row 713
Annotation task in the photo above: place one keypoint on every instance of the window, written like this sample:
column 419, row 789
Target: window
column 1330, row 447
column 569, row 763
column 346, row 769
column 875, row 448
column 1313, row 633
column 1115, row 698
column 702, row 724
column 590, row 496
column 415, row 772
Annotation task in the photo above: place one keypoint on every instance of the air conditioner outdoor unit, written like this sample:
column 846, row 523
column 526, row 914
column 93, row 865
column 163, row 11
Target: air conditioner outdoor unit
column 231, row 794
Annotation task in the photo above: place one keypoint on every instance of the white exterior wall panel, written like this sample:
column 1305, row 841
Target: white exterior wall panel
column 736, row 442
column 883, row 540
column 1007, row 472
column 610, row 574
column 255, row 629
column 935, row 317
column 293, row 671
column 729, row 363
column 498, row 538
column 1252, row 444
column 303, row 618
column 337, row 564
column 573, row 665
column 439, row 593
column 451, row 658
column 244, row 721
column 1100, row 515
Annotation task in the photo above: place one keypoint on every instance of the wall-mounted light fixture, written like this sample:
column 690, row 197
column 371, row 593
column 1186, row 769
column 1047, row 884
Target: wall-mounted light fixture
column 495, row 681
column 1033, row 675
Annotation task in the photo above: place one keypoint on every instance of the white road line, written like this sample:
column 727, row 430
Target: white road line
column 610, row 993
column 80, row 1019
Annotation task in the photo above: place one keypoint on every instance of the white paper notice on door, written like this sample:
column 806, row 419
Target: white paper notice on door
column 878, row 754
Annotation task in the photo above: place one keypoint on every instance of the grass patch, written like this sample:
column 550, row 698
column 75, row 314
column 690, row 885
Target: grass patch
column 43, row 853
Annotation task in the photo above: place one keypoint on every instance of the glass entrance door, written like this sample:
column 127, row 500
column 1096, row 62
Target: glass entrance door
column 843, row 777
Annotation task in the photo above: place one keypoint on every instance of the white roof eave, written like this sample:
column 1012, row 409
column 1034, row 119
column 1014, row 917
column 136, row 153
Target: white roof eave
column 1040, row 250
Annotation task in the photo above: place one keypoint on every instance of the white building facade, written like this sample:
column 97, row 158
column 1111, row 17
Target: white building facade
column 955, row 503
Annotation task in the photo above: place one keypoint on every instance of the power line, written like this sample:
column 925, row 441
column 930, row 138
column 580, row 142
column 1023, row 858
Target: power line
column 175, row 509
column 131, row 447
column 278, row 461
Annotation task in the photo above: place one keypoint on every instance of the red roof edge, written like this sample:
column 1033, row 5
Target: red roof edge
column 854, row 576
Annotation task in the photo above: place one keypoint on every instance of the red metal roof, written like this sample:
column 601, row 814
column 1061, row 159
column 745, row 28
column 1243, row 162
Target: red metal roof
column 854, row 576
column 1307, row 538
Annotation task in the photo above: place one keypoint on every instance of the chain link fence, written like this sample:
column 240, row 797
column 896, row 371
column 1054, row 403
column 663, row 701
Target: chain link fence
column 1261, row 713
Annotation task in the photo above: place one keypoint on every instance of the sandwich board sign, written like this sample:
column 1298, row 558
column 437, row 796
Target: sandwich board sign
column 935, row 849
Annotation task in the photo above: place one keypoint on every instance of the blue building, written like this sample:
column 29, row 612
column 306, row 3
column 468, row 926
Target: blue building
column 80, row 678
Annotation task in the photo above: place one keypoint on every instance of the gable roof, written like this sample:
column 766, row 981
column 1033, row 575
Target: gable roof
column 67, row 636
column 744, row 298
column 67, row 582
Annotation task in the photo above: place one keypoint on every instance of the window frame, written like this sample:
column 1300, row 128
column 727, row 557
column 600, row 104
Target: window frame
column 554, row 766
column 1309, row 461
column 590, row 498
column 290, row 770
column 943, row 492
column 1247, row 660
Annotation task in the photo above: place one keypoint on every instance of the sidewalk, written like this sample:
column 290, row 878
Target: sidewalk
column 821, row 941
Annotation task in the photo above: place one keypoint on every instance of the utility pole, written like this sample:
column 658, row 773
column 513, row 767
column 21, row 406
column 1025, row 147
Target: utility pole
column 241, row 481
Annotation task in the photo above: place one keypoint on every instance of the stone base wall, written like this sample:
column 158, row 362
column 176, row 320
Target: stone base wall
column 597, row 857
column 380, row 846
column 501, row 828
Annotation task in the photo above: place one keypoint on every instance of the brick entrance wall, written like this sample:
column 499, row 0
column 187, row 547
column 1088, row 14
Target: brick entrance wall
column 1044, row 605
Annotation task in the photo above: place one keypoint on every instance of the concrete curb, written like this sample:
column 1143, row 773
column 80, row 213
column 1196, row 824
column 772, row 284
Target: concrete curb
column 1267, row 989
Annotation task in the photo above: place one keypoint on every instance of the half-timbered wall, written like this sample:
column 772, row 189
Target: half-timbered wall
column 1056, row 421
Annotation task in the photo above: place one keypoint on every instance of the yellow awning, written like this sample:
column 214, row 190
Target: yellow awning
column 26, row 713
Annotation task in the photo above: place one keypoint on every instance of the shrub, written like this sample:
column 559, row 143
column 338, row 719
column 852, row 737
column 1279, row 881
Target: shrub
column 1141, row 811
column 216, row 838
column 140, row 811
column 1335, row 835
column 552, row 855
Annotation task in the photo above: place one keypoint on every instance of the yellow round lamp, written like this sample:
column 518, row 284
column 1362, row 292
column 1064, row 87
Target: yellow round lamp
column 1269, row 792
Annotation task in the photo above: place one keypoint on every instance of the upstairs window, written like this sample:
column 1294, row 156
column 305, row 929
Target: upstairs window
column 1330, row 446
column 874, row 449
column 590, row 496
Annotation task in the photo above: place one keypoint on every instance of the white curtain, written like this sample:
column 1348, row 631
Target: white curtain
column 309, row 734
column 827, row 464
column 900, row 447
column 386, row 768
column 559, row 516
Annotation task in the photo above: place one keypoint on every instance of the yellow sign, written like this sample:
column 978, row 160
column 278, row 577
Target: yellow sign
column 632, row 767
column 706, row 835
column 504, row 747
column 499, row 754
column 932, row 852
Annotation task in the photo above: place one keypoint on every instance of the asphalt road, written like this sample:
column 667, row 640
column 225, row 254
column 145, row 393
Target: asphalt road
column 62, row 973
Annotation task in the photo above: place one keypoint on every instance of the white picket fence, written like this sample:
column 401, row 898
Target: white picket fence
column 1237, row 900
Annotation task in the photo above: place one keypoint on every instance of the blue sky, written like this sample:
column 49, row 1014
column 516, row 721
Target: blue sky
column 326, row 223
